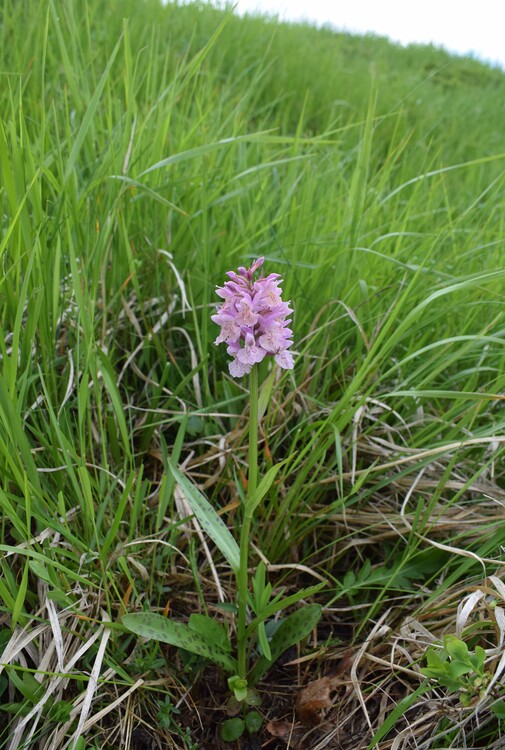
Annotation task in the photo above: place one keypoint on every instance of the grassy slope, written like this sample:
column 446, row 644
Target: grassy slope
column 139, row 161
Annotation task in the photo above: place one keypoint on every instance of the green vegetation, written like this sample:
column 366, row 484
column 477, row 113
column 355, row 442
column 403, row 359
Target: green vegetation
column 144, row 151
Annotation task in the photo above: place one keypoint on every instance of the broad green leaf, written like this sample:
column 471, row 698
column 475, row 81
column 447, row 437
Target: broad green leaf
column 238, row 686
column 478, row 658
column 40, row 571
column 453, row 684
column 159, row 628
column 27, row 685
column 253, row 721
column 499, row 709
column 240, row 693
column 456, row 649
column 349, row 580
column 433, row 672
column 291, row 630
column 253, row 698
column 209, row 519
column 435, row 660
column 231, row 729
column 210, row 630
column 457, row 668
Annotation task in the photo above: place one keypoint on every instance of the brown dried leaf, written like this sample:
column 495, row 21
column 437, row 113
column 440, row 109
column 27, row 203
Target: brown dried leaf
column 279, row 728
column 313, row 698
column 287, row 732
column 233, row 706
column 316, row 696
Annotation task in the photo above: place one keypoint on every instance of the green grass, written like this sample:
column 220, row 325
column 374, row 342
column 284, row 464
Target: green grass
column 144, row 151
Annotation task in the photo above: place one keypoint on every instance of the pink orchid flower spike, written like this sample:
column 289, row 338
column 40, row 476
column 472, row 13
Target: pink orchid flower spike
column 253, row 320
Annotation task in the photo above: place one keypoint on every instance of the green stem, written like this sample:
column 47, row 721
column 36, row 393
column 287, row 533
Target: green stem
column 252, row 482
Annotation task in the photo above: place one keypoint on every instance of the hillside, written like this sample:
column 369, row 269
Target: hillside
column 145, row 150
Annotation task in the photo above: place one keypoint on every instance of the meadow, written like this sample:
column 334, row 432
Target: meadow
column 146, row 150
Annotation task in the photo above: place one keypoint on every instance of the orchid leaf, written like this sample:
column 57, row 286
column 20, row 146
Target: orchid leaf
column 263, row 642
column 231, row 729
column 210, row 630
column 291, row 631
column 159, row 628
column 278, row 604
column 209, row 519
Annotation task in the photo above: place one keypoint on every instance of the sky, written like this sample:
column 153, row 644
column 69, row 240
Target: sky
column 467, row 26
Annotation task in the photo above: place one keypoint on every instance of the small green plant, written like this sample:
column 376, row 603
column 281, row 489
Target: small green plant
column 498, row 709
column 231, row 729
column 254, row 324
column 166, row 713
column 458, row 669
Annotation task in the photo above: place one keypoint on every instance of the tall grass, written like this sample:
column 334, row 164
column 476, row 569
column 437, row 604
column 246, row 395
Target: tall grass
column 146, row 149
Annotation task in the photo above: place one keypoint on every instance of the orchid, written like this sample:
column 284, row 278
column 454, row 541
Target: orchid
column 253, row 320
column 254, row 323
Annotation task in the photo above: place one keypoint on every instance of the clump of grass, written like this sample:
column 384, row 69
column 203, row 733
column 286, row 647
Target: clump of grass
column 144, row 150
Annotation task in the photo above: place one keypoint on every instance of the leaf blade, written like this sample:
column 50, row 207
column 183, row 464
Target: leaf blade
column 277, row 606
column 209, row 519
column 159, row 628
column 292, row 630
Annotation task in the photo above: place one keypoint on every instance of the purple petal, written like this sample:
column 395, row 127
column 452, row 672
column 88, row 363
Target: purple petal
column 238, row 369
column 285, row 360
